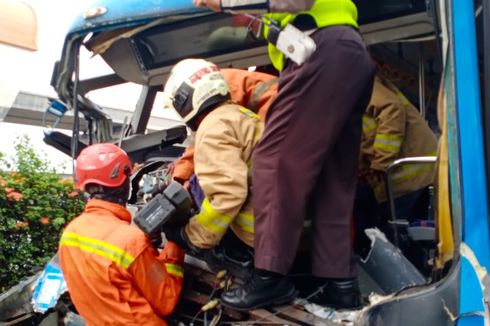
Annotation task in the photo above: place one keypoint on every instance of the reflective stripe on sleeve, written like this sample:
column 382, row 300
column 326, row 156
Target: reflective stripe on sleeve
column 388, row 142
column 175, row 270
column 402, row 97
column 406, row 173
column 245, row 222
column 97, row 247
column 249, row 113
column 368, row 124
column 410, row 171
column 258, row 131
column 212, row 219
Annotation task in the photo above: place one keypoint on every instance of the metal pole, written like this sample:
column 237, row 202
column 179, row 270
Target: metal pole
column 422, row 81
column 395, row 223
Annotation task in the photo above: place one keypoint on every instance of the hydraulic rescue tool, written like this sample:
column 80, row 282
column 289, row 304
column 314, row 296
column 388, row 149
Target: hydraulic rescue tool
column 169, row 209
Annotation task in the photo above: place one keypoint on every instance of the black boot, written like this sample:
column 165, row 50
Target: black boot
column 264, row 289
column 339, row 294
column 237, row 263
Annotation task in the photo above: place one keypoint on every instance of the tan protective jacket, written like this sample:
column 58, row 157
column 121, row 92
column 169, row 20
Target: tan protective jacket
column 394, row 129
column 224, row 143
column 251, row 89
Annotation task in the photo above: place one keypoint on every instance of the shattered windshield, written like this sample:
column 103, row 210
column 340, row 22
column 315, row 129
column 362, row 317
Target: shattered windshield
column 197, row 38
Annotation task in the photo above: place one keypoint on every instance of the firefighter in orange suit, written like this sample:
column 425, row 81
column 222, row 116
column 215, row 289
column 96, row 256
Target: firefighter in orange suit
column 113, row 273
column 392, row 129
column 251, row 89
column 226, row 135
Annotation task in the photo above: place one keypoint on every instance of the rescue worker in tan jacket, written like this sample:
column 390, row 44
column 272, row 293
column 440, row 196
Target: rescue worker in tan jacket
column 251, row 89
column 226, row 134
column 392, row 129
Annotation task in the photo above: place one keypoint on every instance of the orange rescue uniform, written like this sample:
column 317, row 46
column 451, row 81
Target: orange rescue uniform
column 250, row 89
column 113, row 273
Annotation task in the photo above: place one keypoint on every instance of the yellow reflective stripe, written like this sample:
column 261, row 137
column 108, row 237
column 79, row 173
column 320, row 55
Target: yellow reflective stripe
column 388, row 142
column 402, row 97
column 387, row 147
column 175, row 270
column 97, row 247
column 245, row 221
column 368, row 124
column 249, row 113
column 409, row 171
column 212, row 219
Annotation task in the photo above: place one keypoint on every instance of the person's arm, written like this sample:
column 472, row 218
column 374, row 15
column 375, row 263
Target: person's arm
column 390, row 117
column 253, row 90
column 223, row 176
column 184, row 166
column 256, row 6
column 159, row 276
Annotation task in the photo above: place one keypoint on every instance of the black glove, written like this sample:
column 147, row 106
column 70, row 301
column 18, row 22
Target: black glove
column 178, row 236
column 156, row 240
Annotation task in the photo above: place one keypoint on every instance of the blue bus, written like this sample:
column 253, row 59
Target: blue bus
column 435, row 51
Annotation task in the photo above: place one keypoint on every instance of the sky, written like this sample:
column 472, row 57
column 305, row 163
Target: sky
column 31, row 72
column 22, row 70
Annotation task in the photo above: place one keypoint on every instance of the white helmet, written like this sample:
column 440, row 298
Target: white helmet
column 195, row 86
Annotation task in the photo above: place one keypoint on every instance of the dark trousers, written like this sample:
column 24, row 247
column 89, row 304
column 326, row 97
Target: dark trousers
column 306, row 161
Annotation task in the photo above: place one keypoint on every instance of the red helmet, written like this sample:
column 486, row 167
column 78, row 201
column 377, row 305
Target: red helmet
column 103, row 164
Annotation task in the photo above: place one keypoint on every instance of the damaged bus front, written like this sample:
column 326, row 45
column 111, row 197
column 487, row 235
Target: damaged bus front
column 435, row 53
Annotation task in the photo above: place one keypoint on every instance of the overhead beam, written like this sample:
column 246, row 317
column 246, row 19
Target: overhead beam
column 28, row 109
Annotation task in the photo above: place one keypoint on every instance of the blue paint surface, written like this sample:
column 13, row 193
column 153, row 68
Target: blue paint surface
column 474, row 191
column 471, row 321
column 472, row 285
column 130, row 12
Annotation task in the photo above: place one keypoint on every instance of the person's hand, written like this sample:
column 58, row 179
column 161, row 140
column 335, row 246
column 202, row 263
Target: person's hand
column 211, row 4
column 178, row 236
column 156, row 240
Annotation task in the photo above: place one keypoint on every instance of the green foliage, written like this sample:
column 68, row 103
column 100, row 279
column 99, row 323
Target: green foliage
column 35, row 205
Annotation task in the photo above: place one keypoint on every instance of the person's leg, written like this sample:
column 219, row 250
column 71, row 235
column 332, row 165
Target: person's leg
column 333, row 198
column 232, row 255
column 365, row 213
column 304, row 122
column 332, row 203
column 302, row 127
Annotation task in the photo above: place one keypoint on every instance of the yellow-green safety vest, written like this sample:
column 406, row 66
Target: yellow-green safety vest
column 324, row 12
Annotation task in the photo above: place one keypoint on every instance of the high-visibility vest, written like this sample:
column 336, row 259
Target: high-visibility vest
column 324, row 12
